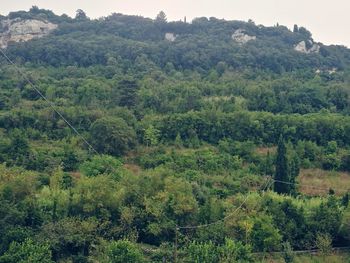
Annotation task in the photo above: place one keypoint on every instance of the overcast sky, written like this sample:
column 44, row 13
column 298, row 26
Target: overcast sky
column 329, row 21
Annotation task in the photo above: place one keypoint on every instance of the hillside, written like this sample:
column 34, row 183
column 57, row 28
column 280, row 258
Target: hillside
column 129, row 139
column 192, row 45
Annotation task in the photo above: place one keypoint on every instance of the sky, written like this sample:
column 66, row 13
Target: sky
column 328, row 21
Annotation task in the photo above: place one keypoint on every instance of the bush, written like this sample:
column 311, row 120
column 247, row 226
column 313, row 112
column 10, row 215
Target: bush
column 113, row 136
column 123, row 251
column 101, row 164
column 27, row 252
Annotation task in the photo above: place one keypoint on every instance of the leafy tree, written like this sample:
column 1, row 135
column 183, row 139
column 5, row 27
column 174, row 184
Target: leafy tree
column 70, row 160
column 324, row 243
column 345, row 226
column 19, row 148
column 27, row 252
column 264, row 236
column 101, row 164
column 123, row 251
column 80, row 15
column 69, row 237
column 151, row 136
column 232, row 251
column 112, row 136
column 202, row 252
column 326, row 218
column 161, row 17
column 128, row 92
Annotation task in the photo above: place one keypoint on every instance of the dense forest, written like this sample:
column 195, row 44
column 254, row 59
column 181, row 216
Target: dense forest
column 119, row 144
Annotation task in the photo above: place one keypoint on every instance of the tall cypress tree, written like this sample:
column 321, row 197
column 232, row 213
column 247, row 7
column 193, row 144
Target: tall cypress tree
column 281, row 173
column 294, row 172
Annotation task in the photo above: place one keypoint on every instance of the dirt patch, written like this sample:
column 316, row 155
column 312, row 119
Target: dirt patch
column 135, row 169
column 265, row 150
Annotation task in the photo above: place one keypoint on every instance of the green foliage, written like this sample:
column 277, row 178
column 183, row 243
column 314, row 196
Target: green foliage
column 161, row 17
column 327, row 217
column 345, row 226
column 69, row 237
column 281, row 174
column 324, row 243
column 265, row 237
column 230, row 251
column 202, row 252
column 112, row 136
column 101, row 164
column 194, row 131
column 151, row 137
column 27, row 252
column 288, row 254
column 233, row 251
column 123, row 251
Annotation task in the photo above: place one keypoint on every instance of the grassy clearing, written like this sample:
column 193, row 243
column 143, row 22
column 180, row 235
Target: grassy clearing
column 317, row 182
column 336, row 257
column 265, row 150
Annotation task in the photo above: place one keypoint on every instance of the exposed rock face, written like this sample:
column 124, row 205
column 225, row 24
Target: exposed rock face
column 18, row 30
column 329, row 71
column 241, row 37
column 301, row 47
column 170, row 37
column 332, row 71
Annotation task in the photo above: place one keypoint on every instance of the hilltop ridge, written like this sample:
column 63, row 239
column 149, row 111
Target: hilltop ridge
column 201, row 44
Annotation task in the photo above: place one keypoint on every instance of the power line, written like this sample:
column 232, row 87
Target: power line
column 267, row 184
column 310, row 186
column 51, row 104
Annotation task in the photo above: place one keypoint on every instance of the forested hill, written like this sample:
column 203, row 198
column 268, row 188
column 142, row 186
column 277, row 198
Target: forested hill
column 208, row 142
column 200, row 45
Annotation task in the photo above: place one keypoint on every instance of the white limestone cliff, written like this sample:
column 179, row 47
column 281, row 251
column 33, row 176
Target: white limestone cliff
column 18, row 30
column 170, row 37
column 301, row 47
column 241, row 37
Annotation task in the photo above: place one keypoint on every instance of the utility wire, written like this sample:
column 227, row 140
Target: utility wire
column 310, row 186
column 51, row 104
column 266, row 185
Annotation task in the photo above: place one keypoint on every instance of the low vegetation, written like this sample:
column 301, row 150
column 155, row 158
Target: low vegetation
column 196, row 150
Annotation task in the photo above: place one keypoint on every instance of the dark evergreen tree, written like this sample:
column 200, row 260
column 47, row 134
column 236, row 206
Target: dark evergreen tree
column 281, row 174
column 19, row 149
column 295, row 29
column 293, row 173
column 127, row 88
column 161, row 17
column 345, row 200
column 80, row 15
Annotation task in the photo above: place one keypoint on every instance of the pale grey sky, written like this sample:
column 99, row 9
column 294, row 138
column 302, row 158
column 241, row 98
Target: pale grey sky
column 329, row 21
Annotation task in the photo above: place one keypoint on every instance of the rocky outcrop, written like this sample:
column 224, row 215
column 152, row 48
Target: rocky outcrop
column 302, row 47
column 330, row 71
column 241, row 37
column 18, row 30
column 170, row 37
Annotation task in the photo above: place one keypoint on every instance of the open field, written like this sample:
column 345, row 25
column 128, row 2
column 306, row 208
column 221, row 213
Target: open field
column 336, row 257
column 317, row 182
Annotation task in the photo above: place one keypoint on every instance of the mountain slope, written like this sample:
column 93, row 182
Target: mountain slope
column 200, row 45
